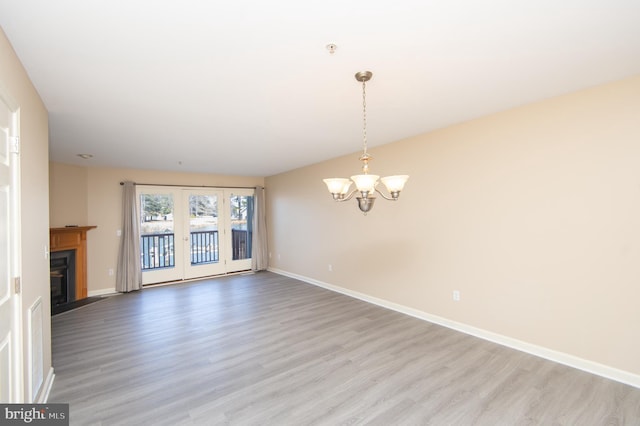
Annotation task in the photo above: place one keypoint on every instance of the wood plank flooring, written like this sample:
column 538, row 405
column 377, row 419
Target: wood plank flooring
column 264, row 349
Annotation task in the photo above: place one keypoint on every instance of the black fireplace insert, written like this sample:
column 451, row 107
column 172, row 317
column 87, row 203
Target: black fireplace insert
column 63, row 277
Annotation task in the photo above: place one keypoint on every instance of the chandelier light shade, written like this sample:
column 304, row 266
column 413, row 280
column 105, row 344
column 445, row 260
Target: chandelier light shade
column 366, row 184
column 338, row 186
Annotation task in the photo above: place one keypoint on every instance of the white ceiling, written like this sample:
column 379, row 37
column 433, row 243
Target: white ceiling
column 247, row 87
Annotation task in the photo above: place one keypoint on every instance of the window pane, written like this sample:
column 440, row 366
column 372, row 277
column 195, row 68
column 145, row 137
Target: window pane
column 156, row 231
column 241, row 226
column 203, row 229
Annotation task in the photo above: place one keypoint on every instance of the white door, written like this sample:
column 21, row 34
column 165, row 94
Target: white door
column 160, row 233
column 204, row 251
column 239, row 213
column 10, row 330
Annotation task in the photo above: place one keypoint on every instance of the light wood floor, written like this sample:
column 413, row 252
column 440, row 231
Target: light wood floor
column 270, row 350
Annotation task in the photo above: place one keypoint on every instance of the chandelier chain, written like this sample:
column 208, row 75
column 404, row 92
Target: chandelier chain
column 364, row 117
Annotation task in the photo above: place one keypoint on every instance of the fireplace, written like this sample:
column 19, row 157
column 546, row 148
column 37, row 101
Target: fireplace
column 63, row 240
column 63, row 277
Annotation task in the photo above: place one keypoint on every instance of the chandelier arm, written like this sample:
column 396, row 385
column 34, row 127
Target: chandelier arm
column 348, row 197
column 385, row 196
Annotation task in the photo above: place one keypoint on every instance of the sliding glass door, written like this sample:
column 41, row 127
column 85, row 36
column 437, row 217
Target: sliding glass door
column 190, row 233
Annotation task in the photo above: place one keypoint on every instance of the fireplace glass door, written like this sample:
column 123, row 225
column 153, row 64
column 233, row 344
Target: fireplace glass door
column 62, row 274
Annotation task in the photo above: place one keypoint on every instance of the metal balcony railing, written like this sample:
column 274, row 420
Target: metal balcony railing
column 204, row 247
column 158, row 251
column 240, row 244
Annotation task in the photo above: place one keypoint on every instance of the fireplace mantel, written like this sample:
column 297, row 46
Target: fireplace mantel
column 73, row 238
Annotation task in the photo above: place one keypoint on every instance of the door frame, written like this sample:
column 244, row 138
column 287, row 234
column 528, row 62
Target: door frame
column 13, row 298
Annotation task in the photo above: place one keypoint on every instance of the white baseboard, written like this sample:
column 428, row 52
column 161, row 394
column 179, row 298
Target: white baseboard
column 46, row 387
column 540, row 351
column 101, row 292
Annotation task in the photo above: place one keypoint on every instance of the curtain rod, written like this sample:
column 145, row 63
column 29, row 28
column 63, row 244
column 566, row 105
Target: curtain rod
column 192, row 186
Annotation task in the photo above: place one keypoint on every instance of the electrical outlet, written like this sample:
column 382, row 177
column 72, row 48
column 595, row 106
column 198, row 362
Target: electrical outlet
column 110, row 272
column 330, row 267
column 456, row 295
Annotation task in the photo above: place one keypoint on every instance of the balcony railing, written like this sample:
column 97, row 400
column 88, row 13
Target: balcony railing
column 240, row 244
column 157, row 250
column 204, row 247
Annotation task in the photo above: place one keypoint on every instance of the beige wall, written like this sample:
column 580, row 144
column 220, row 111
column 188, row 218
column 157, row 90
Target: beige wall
column 96, row 191
column 34, row 153
column 533, row 214
column 68, row 194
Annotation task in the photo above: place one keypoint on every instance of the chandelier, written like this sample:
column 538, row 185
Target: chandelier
column 366, row 184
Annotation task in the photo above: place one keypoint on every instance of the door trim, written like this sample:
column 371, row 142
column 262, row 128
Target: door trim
column 13, row 300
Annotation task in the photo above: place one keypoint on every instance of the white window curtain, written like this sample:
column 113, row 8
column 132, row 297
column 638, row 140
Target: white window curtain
column 259, row 257
column 129, row 274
